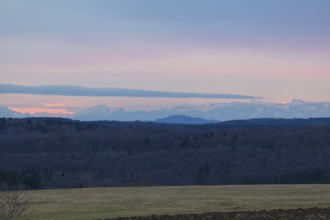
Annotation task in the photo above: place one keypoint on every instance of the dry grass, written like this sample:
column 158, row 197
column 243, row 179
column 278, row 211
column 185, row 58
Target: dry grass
column 100, row 203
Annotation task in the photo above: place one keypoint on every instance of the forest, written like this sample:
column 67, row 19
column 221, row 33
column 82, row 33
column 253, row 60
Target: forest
column 44, row 153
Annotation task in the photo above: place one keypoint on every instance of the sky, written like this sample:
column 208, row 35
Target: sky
column 276, row 49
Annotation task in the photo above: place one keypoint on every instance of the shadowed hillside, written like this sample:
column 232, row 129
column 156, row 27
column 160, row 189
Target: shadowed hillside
column 62, row 153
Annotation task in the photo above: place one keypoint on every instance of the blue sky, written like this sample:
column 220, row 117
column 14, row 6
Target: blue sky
column 277, row 49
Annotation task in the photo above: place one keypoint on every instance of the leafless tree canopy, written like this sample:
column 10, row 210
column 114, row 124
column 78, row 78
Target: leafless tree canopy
column 12, row 204
column 43, row 153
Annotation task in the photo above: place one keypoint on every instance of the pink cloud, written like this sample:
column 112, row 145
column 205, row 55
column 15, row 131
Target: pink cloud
column 33, row 111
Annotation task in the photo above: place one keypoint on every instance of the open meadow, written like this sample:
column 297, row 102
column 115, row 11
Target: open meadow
column 102, row 203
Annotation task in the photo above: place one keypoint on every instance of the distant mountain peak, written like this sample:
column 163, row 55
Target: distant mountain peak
column 183, row 119
column 100, row 107
column 8, row 113
column 216, row 111
column 297, row 101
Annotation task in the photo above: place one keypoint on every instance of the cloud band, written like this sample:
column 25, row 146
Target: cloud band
column 69, row 90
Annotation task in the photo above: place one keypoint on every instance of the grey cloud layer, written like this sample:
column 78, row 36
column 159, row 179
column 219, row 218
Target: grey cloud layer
column 86, row 91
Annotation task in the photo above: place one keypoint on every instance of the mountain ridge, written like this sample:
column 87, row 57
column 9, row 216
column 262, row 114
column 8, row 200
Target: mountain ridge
column 217, row 112
column 184, row 119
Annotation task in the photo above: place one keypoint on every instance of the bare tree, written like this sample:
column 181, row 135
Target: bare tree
column 13, row 204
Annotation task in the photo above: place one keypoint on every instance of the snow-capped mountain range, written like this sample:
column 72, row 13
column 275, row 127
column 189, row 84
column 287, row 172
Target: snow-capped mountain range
column 219, row 112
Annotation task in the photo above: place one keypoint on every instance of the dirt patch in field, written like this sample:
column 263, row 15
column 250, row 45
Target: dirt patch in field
column 280, row 214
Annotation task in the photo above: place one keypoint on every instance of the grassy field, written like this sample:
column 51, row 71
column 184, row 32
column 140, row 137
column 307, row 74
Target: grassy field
column 100, row 203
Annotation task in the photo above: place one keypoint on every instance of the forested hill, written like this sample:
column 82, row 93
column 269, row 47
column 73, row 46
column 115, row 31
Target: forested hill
column 62, row 153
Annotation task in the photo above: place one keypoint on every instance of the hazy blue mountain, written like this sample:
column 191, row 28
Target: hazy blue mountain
column 99, row 112
column 183, row 119
column 103, row 112
column 217, row 112
column 8, row 113
column 55, row 115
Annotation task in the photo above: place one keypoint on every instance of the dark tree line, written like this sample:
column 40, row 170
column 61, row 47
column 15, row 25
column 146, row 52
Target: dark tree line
column 61, row 153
